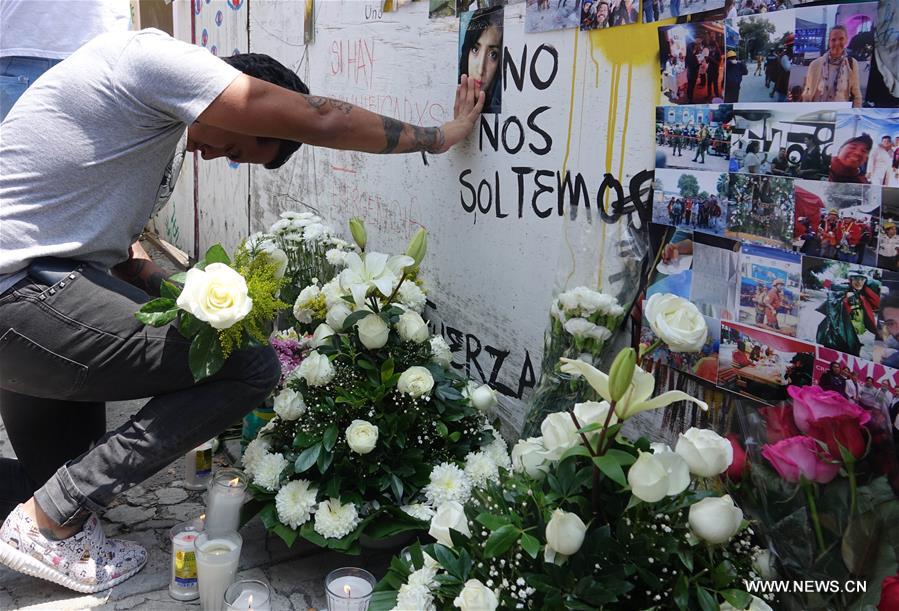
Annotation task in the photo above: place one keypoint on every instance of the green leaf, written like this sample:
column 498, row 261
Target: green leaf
column 365, row 364
column 352, row 319
column 624, row 459
column 307, row 458
column 180, row 277
column 329, row 439
column 530, row 544
column 216, row 254
column 686, row 557
column 455, row 436
column 682, row 593
column 737, row 598
column 386, row 370
column 324, row 461
column 189, row 325
column 441, row 429
column 706, row 600
column 205, row 355
column 167, row 290
column 491, row 521
column 610, row 467
column 396, row 484
column 501, row 539
column 447, row 560
column 158, row 312
column 287, row 534
column 578, row 450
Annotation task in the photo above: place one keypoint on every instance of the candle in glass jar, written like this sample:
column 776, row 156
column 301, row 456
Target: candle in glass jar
column 217, row 559
column 226, row 497
column 198, row 467
column 349, row 589
column 248, row 595
column 183, row 584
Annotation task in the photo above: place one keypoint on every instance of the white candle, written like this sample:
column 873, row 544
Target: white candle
column 198, row 467
column 217, row 559
column 226, row 497
column 349, row 589
column 183, row 584
column 248, row 595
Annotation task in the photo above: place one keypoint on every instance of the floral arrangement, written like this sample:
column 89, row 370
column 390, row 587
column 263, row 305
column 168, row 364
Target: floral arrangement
column 368, row 413
column 581, row 322
column 222, row 306
column 588, row 519
column 824, row 481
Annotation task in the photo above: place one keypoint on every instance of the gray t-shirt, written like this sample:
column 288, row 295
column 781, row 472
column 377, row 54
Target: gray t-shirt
column 94, row 146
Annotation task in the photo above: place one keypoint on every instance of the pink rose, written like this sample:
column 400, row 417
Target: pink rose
column 811, row 403
column 800, row 456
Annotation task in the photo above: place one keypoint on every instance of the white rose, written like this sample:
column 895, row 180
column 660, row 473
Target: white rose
column 559, row 434
column 412, row 327
column 361, row 436
column 593, row 412
column 337, row 313
column 565, row 533
column 677, row 322
column 715, row 519
column 481, row 396
column 763, row 564
column 321, row 334
column 301, row 310
column 581, row 327
column 675, row 466
column 415, row 382
column 217, row 295
column 707, row 453
column 316, row 369
column 373, row 332
column 475, row 596
column 648, row 478
column 529, row 456
column 449, row 516
column 757, row 604
column 289, row 404
column 440, row 351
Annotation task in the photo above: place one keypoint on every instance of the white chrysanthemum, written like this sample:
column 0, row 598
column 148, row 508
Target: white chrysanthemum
column 423, row 577
column 440, row 351
column 289, row 404
column 568, row 300
column 336, row 257
column 499, row 452
column 581, row 327
column 414, row 598
column 295, row 502
column 332, row 292
column 267, row 472
column 411, row 296
column 302, row 306
column 254, row 452
column 315, row 232
column 448, row 483
column 334, row 520
column 480, row 468
column 282, row 226
column 419, row 511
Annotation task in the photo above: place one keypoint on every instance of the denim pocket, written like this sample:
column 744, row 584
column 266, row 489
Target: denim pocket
column 28, row 368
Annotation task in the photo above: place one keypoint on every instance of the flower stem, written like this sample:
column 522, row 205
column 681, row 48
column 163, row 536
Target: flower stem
column 655, row 344
column 605, row 427
column 853, row 487
column 577, row 426
column 813, row 509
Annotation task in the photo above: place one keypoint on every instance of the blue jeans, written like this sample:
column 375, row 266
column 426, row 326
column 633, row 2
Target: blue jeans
column 16, row 75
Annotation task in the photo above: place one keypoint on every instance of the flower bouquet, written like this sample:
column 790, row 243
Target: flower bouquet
column 368, row 413
column 823, row 482
column 223, row 305
column 588, row 519
column 581, row 321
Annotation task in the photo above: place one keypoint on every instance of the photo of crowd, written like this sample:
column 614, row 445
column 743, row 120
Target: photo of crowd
column 832, row 53
column 837, row 221
column 761, row 365
column 693, row 137
column 759, row 58
column 654, row 10
column 769, row 289
column 888, row 240
column 760, row 210
column 547, row 15
column 873, row 386
column 886, row 345
column 784, row 141
column 598, row 14
column 840, row 305
column 703, row 363
column 742, row 8
column 692, row 62
column 867, row 147
column 691, row 200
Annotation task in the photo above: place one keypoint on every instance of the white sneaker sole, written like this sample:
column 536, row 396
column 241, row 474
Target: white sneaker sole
column 23, row 563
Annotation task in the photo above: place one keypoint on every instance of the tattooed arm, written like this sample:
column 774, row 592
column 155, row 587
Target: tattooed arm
column 140, row 271
column 255, row 107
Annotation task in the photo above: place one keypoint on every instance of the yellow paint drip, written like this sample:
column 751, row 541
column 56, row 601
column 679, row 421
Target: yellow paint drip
column 632, row 44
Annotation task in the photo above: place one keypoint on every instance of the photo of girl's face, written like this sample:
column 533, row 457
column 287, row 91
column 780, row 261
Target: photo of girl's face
column 483, row 58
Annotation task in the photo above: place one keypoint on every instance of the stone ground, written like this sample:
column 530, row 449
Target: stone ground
column 146, row 513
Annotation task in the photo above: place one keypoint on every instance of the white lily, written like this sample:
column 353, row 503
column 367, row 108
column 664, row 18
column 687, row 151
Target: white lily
column 637, row 398
column 375, row 270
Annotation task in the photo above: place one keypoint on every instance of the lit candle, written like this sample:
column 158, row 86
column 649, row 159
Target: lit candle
column 217, row 558
column 226, row 497
column 349, row 589
column 183, row 584
column 248, row 595
column 198, row 467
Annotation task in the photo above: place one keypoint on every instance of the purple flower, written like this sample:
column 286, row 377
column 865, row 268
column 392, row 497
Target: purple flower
column 290, row 355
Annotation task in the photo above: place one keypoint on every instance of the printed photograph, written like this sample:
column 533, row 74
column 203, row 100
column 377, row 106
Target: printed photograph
column 760, row 210
column 654, row 10
column 873, row 386
column 716, row 276
column 441, row 8
column 598, row 14
column 692, row 62
column 761, row 365
column 888, row 238
column 832, row 53
column 481, row 53
column 741, row 8
column 690, row 200
column 760, row 133
column 759, row 57
column 866, row 147
column 769, row 289
column 837, row 221
column 673, row 273
column 886, row 345
column 546, row 15
column 840, row 305
column 703, row 364
column 694, row 137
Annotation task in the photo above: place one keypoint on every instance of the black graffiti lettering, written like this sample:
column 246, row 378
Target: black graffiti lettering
column 492, row 135
column 575, row 193
column 609, row 181
column 499, row 357
column 510, row 70
column 455, row 344
column 513, row 120
column 636, row 188
column 527, row 379
column 471, row 356
column 532, row 123
column 541, row 188
column 489, row 198
column 467, row 185
column 521, row 172
column 539, row 82
column 498, row 209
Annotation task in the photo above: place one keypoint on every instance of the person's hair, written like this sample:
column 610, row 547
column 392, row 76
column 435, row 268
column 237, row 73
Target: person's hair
column 269, row 69
column 480, row 21
column 838, row 27
column 865, row 140
column 885, row 137
column 753, row 147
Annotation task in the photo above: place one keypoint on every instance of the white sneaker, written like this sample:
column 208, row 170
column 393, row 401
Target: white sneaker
column 86, row 562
